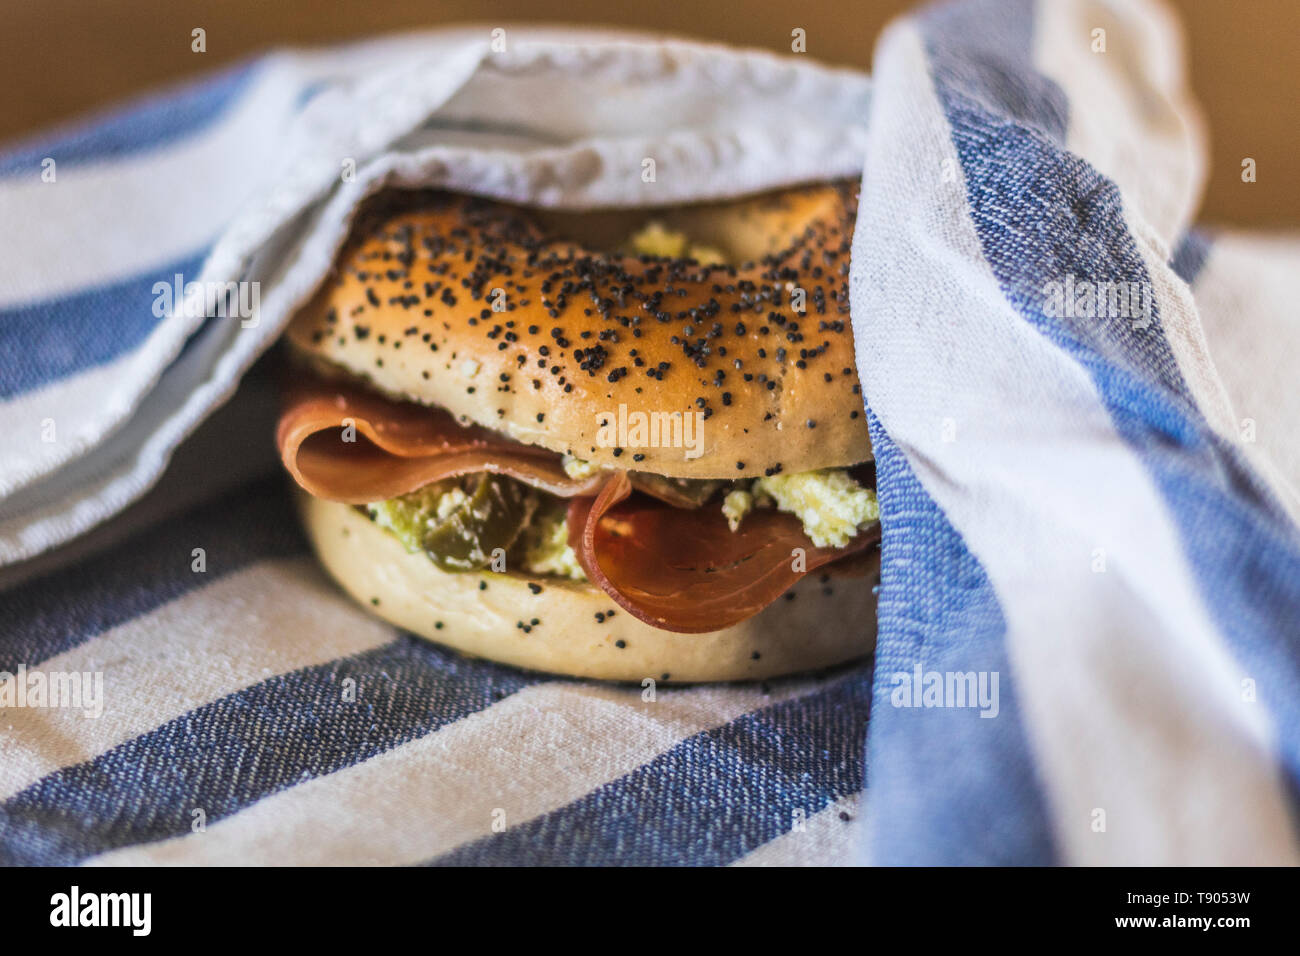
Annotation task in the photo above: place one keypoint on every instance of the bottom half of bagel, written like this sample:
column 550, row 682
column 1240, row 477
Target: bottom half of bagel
column 573, row 628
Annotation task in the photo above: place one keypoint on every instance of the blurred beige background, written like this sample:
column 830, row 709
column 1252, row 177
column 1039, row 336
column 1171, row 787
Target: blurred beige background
column 63, row 58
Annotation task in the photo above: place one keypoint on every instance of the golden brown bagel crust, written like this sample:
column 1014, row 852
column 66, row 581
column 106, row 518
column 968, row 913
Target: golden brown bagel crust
column 580, row 333
column 579, row 631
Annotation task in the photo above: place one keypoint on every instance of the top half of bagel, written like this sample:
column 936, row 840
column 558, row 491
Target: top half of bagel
column 543, row 327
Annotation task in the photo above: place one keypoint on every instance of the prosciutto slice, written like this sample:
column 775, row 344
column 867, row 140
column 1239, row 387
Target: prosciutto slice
column 687, row 570
column 398, row 447
column 670, row 563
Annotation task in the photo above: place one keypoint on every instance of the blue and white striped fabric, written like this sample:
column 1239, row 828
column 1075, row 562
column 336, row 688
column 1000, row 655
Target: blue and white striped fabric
column 250, row 712
column 1099, row 508
column 1073, row 506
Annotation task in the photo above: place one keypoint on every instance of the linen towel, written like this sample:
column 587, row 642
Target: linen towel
column 1080, row 409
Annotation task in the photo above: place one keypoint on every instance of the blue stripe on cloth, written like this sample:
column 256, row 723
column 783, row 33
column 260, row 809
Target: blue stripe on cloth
column 50, row 615
column 229, row 754
column 938, row 611
column 709, row 800
column 1189, row 258
column 990, row 40
column 150, row 123
column 1025, row 194
column 44, row 342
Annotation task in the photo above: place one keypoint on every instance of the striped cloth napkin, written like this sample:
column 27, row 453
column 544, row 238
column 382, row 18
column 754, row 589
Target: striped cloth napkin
column 234, row 706
column 1090, row 604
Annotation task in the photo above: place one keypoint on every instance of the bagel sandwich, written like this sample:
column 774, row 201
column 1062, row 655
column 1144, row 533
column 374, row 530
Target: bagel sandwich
column 623, row 445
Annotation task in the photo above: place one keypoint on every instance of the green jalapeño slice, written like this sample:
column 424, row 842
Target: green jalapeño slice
column 460, row 522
